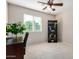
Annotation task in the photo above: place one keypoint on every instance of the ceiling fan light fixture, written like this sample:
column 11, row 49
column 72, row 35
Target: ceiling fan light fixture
column 51, row 5
column 53, row 9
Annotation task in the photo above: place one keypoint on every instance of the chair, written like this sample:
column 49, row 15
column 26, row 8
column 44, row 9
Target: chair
column 25, row 40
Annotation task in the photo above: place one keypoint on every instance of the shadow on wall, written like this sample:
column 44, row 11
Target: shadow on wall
column 60, row 29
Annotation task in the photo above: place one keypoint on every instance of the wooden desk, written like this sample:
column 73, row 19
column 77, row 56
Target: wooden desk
column 15, row 49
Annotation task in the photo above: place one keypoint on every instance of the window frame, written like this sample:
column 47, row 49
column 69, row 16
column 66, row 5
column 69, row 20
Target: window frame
column 33, row 30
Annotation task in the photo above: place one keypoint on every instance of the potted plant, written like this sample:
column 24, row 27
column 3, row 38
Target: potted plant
column 15, row 28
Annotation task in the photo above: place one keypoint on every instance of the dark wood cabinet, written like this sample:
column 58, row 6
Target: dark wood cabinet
column 52, row 30
column 15, row 49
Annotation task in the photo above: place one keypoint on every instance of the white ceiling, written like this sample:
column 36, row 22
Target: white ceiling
column 33, row 4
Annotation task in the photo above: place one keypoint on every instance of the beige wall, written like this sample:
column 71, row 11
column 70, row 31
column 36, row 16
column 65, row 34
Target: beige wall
column 65, row 27
column 15, row 14
column 65, row 23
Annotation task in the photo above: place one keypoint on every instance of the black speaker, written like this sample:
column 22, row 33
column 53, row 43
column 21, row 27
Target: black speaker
column 52, row 30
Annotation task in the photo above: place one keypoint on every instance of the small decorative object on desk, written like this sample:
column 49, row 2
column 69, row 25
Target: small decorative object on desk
column 15, row 28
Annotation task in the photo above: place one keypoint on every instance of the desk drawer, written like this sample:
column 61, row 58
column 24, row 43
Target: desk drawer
column 10, row 50
column 17, row 50
column 14, row 49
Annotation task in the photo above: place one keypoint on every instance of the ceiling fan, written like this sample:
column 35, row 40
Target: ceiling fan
column 50, row 3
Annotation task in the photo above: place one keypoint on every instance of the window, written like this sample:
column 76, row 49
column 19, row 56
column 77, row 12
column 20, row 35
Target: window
column 32, row 23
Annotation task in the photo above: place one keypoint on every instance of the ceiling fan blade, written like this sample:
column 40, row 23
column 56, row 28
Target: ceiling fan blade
column 58, row 4
column 44, row 8
column 42, row 2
